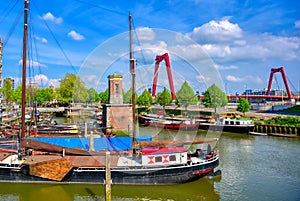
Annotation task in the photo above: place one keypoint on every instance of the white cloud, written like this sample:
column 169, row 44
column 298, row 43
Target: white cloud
column 43, row 40
column 227, row 42
column 202, row 78
column 217, row 31
column 75, row 36
column 41, row 78
column 50, row 17
column 44, row 82
column 222, row 67
column 248, row 78
column 297, row 24
column 145, row 34
column 215, row 50
column 32, row 63
column 234, row 78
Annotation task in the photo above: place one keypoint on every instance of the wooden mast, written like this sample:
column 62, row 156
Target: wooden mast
column 132, row 72
column 26, row 3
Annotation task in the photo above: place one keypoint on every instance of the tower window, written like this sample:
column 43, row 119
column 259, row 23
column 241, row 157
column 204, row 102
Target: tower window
column 117, row 89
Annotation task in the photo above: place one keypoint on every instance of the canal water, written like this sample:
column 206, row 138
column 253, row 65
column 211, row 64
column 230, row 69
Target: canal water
column 253, row 168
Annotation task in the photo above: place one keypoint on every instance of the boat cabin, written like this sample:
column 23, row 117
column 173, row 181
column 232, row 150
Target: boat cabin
column 164, row 156
column 228, row 121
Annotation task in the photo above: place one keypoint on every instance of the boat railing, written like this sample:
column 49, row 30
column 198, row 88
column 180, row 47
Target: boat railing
column 93, row 169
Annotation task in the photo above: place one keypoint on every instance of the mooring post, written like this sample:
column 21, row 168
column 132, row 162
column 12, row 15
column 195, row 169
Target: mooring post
column 107, row 178
column 85, row 129
column 92, row 145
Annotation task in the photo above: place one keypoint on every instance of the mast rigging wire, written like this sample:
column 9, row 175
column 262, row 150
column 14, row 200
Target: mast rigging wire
column 103, row 8
column 58, row 44
column 8, row 11
column 13, row 27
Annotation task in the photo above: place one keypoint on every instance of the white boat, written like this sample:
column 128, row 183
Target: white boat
column 229, row 125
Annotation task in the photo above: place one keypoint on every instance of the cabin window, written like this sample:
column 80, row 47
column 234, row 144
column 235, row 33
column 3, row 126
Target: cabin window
column 158, row 159
column 226, row 122
column 237, row 123
column 172, row 158
column 231, row 123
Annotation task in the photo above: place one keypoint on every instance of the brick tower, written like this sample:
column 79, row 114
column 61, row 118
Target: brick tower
column 116, row 115
column 115, row 95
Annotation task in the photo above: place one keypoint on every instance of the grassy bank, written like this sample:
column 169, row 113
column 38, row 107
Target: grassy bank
column 283, row 121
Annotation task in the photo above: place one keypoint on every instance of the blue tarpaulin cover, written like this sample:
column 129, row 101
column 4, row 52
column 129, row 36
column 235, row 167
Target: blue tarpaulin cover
column 100, row 143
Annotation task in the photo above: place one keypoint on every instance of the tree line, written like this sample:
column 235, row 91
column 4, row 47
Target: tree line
column 73, row 89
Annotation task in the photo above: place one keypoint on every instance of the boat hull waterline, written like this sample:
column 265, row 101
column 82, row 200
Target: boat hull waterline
column 170, row 175
column 165, row 165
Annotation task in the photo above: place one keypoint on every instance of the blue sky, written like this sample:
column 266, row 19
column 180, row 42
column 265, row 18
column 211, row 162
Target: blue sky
column 242, row 39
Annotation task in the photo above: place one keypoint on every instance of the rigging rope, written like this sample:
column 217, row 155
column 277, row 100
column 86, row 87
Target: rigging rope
column 101, row 7
column 8, row 11
column 58, row 44
column 38, row 63
column 13, row 27
column 139, row 43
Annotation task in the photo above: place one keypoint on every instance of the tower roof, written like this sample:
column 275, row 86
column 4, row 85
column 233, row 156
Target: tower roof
column 112, row 76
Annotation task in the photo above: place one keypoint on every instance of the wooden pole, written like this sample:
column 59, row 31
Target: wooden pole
column 132, row 72
column 85, row 129
column 107, row 178
column 26, row 2
column 92, row 145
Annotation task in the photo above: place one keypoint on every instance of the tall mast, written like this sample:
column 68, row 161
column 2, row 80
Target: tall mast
column 1, row 98
column 26, row 3
column 132, row 72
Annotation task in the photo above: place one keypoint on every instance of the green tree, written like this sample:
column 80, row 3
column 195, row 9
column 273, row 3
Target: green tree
column 145, row 98
column 8, row 93
column 92, row 95
column 244, row 105
column 103, row 96
column 186, row 96
column 44, row 94
column 214, row 97
column 127, row 96
column 164, row 98
column 18, row 94
column 72, row 88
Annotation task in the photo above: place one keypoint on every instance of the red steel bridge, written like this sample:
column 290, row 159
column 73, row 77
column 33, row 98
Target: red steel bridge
column 268, row 96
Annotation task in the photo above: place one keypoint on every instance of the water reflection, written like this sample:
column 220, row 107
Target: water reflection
column 253, row 168
column 199, row 190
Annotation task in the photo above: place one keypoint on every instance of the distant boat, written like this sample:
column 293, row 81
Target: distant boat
column 229, row 125
column 258, row 134
column 69, row 129
column 284, row 135
column 159, row 121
